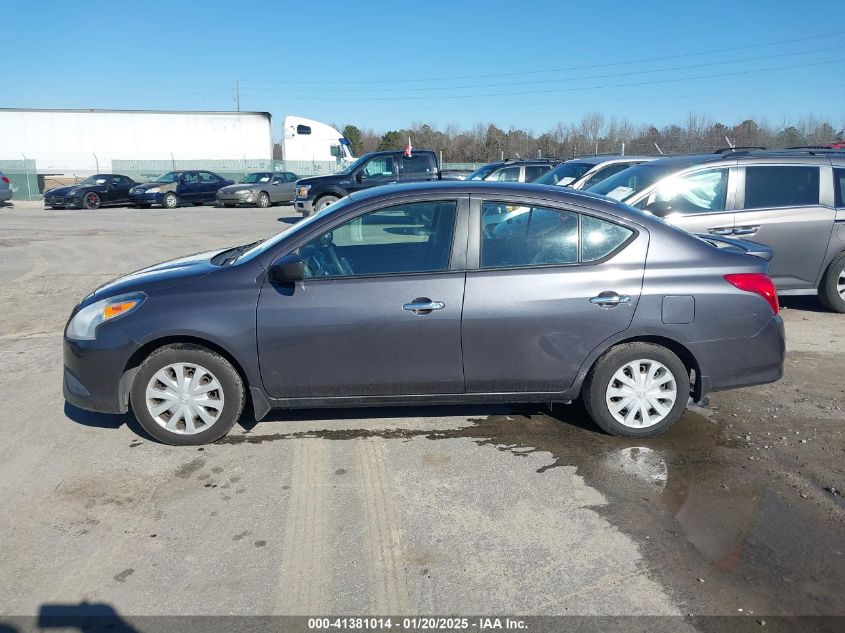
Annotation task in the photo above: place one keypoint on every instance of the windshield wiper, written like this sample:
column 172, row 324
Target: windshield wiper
column 238, row 251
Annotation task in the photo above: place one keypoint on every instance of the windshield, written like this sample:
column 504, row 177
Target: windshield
column 564, row 174
column 94, row 180
column 257, row 177
column 481, row 172
column 629, row 181
column 171, row 176
column 353, row 166
column 293, row 230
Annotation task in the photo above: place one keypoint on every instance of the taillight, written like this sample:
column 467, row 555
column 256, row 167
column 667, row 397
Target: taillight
column 757, row 283
column 4, row 179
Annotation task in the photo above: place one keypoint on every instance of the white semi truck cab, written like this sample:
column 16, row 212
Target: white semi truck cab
column 305, row 139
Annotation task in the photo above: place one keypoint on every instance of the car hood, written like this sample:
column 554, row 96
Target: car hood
column 328, row 179
column 150, row 185
column 176, row 272
column 241, row 186
column 68, row 189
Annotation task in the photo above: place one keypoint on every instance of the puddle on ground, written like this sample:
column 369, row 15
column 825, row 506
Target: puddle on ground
column 713, row 526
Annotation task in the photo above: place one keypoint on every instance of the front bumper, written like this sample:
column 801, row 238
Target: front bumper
column 61, row 201
column 94, row 371
column 146, row 198
column 230, row 198
column 304, row 206
column 733, row 363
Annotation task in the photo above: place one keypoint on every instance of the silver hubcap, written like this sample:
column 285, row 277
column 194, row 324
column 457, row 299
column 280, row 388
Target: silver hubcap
column 184, row 398
column 840, row 283
column 263, row 200
column 641, row 393
column 170, row 201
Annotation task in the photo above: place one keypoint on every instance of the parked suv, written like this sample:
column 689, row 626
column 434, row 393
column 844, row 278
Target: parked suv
column 514, row 169
column 586, row 171
column 790, row 200
column 5, row 188
column 371, row 170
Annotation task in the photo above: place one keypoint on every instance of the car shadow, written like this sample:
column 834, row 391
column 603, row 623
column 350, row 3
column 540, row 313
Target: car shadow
column 104, row 420
column 289, row 219
column 83, row 616
column 805, row 303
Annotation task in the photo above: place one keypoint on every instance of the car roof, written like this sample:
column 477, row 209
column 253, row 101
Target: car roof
column 487, row 188
column 604, row 158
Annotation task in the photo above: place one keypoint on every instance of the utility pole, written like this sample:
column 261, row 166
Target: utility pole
column 238, row 93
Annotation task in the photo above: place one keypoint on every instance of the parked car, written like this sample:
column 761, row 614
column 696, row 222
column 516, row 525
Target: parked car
column 433, row 293
column 789, row 200
column 5, row 188
column 179, row 187
column 586, row 171
column 262, row 189
column 514, row 169
column 371, row 170
column 455, row 174
column 91, row 193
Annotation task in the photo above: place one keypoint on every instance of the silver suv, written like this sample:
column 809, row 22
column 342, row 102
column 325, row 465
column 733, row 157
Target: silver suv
column 792, row 201
column 586, row 171
column 5, row 188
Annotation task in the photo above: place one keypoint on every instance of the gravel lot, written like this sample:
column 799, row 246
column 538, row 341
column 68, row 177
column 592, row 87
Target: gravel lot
column 737, row 510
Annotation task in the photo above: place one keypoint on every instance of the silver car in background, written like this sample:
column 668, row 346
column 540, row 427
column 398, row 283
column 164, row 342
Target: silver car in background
column 5, row 188
column 793, row 201
column 586, row 171
column 260, row 189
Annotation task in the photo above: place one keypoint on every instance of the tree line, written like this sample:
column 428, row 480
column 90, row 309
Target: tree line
column 596, row 134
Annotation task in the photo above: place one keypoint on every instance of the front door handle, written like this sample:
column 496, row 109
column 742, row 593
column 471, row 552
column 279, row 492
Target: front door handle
column 609, row 299
column 746, row 230
column 423, row 305
column 721, row 231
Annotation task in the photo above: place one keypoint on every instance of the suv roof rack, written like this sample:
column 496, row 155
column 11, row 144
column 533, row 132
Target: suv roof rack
column 544, row 159
column 816, row 149
column 743, row 148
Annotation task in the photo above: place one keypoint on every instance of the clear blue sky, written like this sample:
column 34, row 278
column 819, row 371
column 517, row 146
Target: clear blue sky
column 385, row 65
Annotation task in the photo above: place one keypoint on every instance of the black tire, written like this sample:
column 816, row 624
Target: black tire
column 91, row 201
column 829, row 293
column 228, row 205
column 234, row 394
column 263, row 201
column 324, row 202
column 595, row 387
column 170, row 200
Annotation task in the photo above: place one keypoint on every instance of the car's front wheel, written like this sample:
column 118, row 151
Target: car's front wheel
column 171, row 200
column 832, row 288
column 323, row 202
column 91, row 201
column 187, row 395
column 263, row 200
column 636, row 390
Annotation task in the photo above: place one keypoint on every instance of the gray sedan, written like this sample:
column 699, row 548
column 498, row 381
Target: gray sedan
column 260, row 189
column 433, row 293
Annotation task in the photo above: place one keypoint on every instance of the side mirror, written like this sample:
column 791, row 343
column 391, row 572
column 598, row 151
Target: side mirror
column 287, row 269
column 660, row 208
column 360, row 176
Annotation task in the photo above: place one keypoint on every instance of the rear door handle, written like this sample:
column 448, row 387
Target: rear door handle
column 609, row 299
column 721, row 231
column 423, row 305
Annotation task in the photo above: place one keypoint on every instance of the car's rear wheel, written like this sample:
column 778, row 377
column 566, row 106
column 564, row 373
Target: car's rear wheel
column 636, row 390
column 323, row 202
column 187, row 395
column 91, row 201
column 832, row 288
column 263, row 200
column 171, row 200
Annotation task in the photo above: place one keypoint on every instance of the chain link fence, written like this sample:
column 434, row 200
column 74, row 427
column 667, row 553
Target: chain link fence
column 23, row 179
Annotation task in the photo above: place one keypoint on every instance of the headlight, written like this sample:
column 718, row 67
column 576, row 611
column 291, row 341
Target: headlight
column 153, row 190
column 83, row 325
column 245, row 192
column 302, row 191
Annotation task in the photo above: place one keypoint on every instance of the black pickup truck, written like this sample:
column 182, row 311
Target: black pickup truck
column 371, row 170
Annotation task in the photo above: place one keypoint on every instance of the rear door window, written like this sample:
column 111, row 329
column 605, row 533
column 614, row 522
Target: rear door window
column 704, row 191
column 533, row 172
column 418, row 164
column 839, row 187
column 507, row 174
column 781, row 186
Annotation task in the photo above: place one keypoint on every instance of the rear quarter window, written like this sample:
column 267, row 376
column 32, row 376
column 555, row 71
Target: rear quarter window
column 839, row 187
column 781, row 186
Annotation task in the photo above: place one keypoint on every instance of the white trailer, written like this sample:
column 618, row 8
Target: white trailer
column 307, row 140
column 86, row 141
